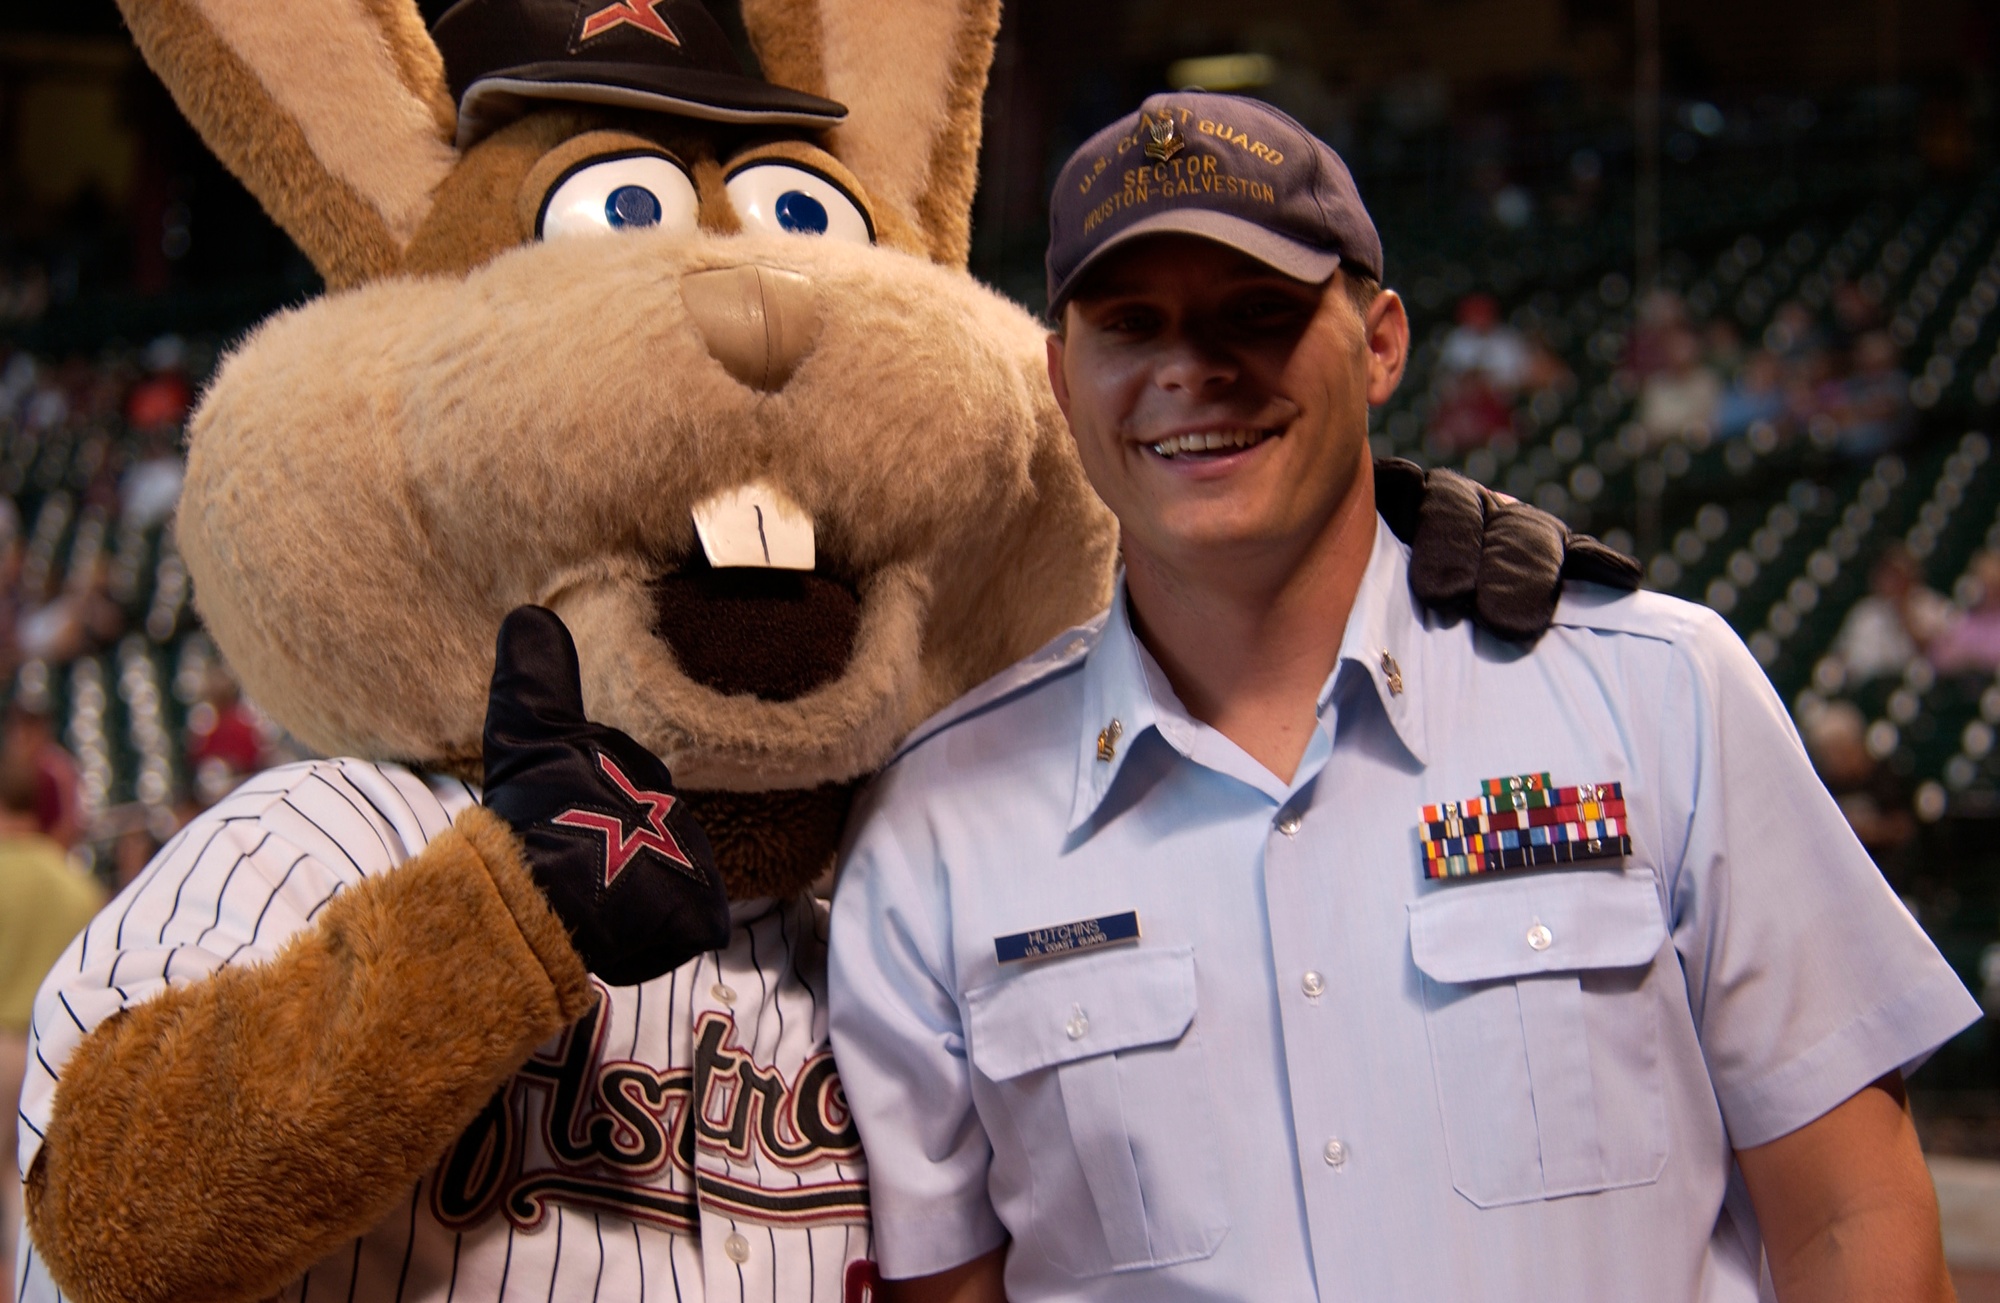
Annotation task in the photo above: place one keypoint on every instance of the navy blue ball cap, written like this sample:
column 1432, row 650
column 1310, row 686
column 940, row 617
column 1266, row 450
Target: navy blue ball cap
column 663, row 56
column 1220, row 167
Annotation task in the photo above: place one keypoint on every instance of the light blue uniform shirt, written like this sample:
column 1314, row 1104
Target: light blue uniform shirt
column 1318, row 1074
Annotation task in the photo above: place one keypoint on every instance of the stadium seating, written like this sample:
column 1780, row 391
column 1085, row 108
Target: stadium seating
column 1776, row 530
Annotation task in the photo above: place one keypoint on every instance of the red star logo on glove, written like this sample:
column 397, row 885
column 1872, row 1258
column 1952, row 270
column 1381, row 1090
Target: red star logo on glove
column 620, row 847
column 642, row 14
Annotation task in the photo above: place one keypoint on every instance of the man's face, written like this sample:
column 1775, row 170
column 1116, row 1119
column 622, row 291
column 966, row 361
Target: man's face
column 1221, row 408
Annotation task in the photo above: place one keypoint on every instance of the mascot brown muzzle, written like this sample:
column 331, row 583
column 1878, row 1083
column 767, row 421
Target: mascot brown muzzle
column 523, row 397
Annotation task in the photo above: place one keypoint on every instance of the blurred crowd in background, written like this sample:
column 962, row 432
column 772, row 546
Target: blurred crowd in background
column 1835, row 377
column 88, row 575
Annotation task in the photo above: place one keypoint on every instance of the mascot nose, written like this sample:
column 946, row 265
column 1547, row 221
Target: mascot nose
column 758, row 321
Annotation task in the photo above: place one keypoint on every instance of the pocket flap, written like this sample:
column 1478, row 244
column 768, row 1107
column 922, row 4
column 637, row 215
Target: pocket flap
column 1061, row 1010
column 1548, row 923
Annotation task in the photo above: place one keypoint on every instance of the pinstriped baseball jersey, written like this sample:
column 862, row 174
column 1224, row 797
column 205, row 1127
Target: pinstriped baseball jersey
column 686, row 1139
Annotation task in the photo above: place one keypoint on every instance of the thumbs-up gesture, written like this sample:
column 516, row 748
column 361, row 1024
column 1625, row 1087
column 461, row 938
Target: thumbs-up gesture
column 609, row 841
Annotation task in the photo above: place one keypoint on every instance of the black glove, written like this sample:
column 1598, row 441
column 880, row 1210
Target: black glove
column 612, row 847
column 1475, row 553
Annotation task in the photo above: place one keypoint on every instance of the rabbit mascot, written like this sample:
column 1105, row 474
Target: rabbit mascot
column 666, row 379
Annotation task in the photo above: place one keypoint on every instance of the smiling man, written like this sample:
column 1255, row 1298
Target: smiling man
column 1275, row 938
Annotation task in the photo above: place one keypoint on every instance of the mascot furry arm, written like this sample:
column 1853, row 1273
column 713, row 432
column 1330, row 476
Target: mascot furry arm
column 390, row 1071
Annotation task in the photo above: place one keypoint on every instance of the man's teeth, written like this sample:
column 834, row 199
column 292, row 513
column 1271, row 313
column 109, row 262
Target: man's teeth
column 1208, row 441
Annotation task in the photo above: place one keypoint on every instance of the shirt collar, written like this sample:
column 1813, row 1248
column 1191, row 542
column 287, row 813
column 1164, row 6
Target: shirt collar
column 1385, row 638
column 1125, row 695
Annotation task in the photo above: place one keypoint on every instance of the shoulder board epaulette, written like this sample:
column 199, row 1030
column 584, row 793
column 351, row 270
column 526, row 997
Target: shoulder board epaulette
column 1613, row 610
column 1061, row 652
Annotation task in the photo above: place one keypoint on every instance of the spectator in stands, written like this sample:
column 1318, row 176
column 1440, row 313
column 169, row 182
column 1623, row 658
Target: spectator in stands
column 225, row 738
column 58, row 803
column 160, row 401
column 44, row 902
column 1794, row 332
column 1722, row 346
column 1661, row 317
column 132, row 850
column 1546, row 368
column 1874, row 802
column 1894, row 623
column 1757, row 394
column 1471, row 412
column 11, row 558
column 78, row 621
column 151, row 487
column 1679, row 400
column 1855, row 313
column 1972, row 643
column 1871, row 408
column 24, row 294
column 1482, row 344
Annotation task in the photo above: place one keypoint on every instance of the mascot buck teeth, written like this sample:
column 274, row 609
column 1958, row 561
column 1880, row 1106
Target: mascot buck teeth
column 670, row 378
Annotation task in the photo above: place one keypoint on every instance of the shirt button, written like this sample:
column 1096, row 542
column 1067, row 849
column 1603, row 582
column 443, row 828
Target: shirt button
column 1336, row 1154
column 736, row 1247
column 1078, row 1024
column 723, row 993
column 1313, row 985
column 1289, row 825
column 1540, row 938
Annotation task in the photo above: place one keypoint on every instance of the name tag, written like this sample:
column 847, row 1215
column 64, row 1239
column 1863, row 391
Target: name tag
column 1068, row 938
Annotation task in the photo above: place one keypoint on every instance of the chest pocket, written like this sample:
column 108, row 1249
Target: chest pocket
column 1545, row 1032
column 1101, row 1050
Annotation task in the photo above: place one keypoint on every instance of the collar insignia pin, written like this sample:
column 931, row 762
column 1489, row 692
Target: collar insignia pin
column 1393, row 672
column 1165, row 140
column 1107, row 741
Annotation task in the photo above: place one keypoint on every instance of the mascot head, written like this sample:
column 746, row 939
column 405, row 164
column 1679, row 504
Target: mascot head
column 615, row 326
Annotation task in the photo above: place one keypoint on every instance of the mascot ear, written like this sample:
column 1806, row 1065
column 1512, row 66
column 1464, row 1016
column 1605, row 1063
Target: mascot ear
column 912, row 74
column 334, row 113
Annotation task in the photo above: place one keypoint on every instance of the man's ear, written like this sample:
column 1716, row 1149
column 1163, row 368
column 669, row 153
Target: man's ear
column 1058, row 382
column 912, row 74
column 334, row 113
column 1388, row 329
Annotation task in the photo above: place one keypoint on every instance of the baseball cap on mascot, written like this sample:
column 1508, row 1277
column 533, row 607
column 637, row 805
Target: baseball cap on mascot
column 1221, row 167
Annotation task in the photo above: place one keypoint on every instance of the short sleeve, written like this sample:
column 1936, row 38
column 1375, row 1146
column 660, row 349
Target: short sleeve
column 230, row 889
column 1807, row 977
column 900, row 1046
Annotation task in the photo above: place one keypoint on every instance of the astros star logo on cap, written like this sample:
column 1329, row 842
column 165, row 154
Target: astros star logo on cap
column 642, row 14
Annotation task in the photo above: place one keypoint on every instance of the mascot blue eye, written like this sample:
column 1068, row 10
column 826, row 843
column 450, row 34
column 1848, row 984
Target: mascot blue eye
column 779, row 198
column 621, row 192
column 801, row 214
column 631, row 205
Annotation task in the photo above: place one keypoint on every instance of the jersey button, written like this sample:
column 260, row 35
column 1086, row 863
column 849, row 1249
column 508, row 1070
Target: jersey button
column 1335, row 1153
column 736, row 1247
column 1078, row 1025
column 1313, row 985
column 723, row 993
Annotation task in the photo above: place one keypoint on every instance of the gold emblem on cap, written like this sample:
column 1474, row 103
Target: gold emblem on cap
column 1164, row 140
